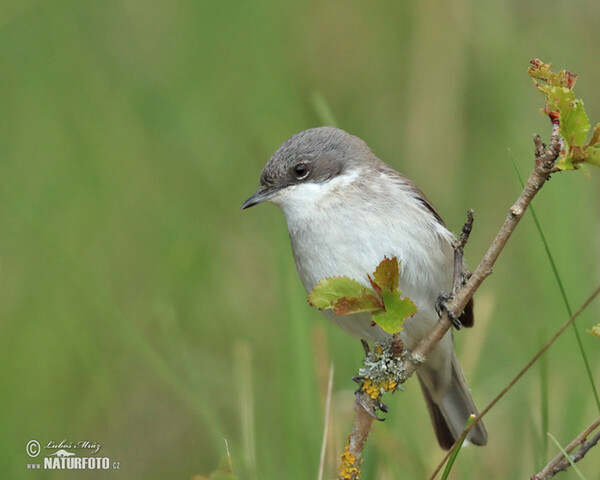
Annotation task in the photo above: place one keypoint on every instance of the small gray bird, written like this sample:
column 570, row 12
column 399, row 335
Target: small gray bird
column 346, row 210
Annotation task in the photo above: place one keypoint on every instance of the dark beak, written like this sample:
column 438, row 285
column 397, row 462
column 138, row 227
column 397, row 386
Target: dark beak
column 262, row 194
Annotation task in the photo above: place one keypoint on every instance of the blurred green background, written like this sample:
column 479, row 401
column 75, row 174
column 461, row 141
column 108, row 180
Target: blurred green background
column 142, row 310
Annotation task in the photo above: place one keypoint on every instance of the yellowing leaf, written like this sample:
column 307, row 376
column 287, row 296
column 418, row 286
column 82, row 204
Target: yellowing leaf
column 367, row 302
column 387, row 274
column 344, row 296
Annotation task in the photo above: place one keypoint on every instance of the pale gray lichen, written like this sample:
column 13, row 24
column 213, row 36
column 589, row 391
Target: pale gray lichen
column 382, row 365
column 417, row 359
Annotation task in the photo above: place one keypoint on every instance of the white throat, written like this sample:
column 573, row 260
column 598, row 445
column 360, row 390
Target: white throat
column 302, row 202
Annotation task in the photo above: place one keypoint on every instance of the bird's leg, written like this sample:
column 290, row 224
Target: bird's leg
column 370, row 404
column 382, row 372
column 461, row 274
column 365, row 346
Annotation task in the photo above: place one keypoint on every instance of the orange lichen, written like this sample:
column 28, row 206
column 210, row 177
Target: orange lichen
column 376, row 389
column 348, row 468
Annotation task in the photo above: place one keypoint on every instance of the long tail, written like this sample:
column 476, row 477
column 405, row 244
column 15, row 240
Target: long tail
column 450, row 413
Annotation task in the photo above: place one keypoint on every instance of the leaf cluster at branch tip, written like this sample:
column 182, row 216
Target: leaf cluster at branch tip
column 568, row 112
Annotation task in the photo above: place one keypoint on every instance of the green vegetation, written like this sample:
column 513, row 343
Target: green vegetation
column 346, row 295
column 142, row 310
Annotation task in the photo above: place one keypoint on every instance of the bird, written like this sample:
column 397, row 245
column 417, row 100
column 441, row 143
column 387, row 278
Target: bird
column 346, row 210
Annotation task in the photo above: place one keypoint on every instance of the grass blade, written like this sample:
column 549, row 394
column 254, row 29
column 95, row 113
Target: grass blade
column 567, row 456
column 326, row 424
column 457, row 449
column 562, row 292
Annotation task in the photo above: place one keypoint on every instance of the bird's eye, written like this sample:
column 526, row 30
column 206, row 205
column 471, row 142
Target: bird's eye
column 300, row 171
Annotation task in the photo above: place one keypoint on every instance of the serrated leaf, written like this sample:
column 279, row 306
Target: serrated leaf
column 344, row 295
column 367, row 302
column 397, row 310
column 386, row 275
column 331, row 289
column 569, row 113
column 559, row 98
column 574, row 123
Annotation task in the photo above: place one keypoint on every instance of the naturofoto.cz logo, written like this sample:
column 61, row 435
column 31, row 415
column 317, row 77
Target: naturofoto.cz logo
column 64, row 459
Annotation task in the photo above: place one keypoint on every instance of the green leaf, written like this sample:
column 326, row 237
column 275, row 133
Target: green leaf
column 574, row 123
column 563, row 109
column 330, row 289
column 397, row 309
column 559, row 98
column 565, row 163
column 367, row 302
column 344, row 296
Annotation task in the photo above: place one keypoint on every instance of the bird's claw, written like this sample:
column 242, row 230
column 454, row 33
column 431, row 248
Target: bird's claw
column 370, row 405
column 441, row 305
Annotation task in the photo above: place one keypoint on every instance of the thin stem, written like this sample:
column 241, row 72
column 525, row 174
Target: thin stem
column 563, row 293
column 544, row 167
column 566, row 455
column 560, row 462
column 558, row 333
column 454, row 452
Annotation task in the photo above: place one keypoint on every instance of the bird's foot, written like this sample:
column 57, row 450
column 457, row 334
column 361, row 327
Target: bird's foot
column 441, row 305
column 370, row 404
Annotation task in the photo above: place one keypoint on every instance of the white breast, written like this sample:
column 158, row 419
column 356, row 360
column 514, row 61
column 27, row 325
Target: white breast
column 344, row 227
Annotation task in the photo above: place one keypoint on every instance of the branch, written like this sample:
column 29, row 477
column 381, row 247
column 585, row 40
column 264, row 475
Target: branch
column 560, row 462
column 541, row 351
column 364, row 406
column 545, row 158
